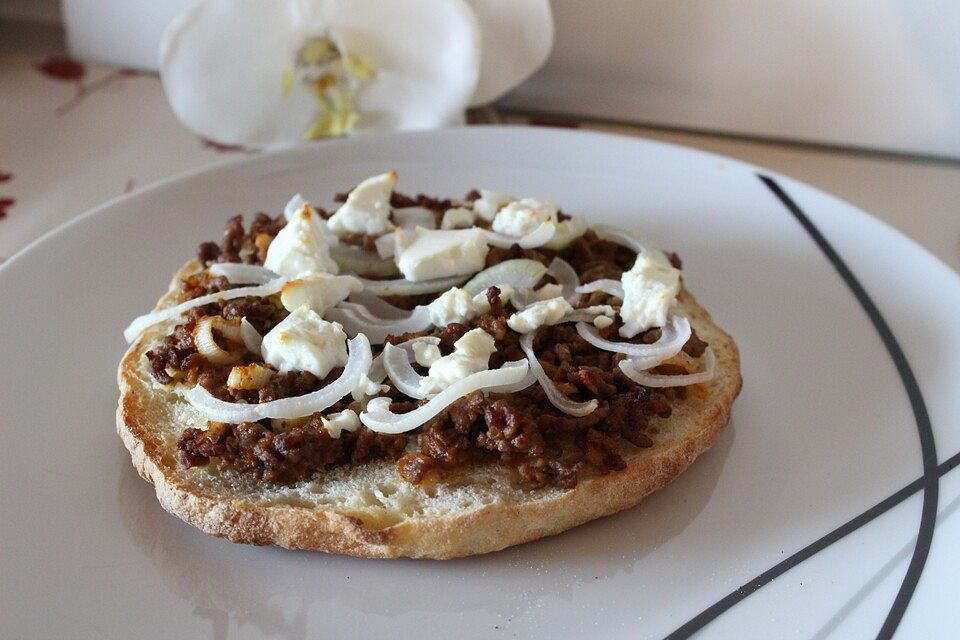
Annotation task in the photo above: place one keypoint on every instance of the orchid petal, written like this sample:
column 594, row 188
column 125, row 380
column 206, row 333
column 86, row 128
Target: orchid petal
column 517, row 39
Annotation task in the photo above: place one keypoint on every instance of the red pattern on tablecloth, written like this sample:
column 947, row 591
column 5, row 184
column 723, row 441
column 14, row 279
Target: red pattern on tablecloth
column 5, row 202
column 68, row 70
column 220, row 147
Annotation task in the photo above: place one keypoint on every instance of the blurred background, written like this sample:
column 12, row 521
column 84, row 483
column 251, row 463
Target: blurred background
column 858, row 97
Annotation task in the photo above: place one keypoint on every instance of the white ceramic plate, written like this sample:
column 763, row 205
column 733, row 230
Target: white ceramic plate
column 825, row 428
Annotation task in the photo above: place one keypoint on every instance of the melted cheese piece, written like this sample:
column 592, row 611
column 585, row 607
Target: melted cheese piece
column 471, row 354
column 336, row 423
column 300, row 248
column 650, row 288
column 319, row 291
column 425, row 354
column 304, row 341
column 523, row 216
column 367, row 388
column 458, row 218
column 539, row 314
column 367, row 209
column 489, row 203
column 425, row 254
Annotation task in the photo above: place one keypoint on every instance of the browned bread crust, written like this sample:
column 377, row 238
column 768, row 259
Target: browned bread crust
column 366, row 510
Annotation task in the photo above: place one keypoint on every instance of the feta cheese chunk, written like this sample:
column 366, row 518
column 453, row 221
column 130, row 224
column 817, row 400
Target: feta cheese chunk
column 319, row 291
column 455, row 305
column 566, row 232
column 489, row 202
column 458, row 218
column 424, row 254
column 523, row 216
column 548, row 291
column 539, row 314
column 367, row 388
column 649, row 288
column 304, row 341
column 336, row 423
column 367, row 209
column 481, row 302
column 425, row 353
column 471, row 354
column 300, row 248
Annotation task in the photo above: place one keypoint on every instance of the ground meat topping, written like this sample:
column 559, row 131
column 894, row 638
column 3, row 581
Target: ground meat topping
column 523, row 431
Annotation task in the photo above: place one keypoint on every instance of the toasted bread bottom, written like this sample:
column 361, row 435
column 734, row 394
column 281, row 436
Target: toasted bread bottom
column 368, row 510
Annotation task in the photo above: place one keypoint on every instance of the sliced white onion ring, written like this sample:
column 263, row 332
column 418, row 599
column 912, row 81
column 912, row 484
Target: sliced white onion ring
column 352, row 258
column 379, row 418
column 557, row 399
column 620, row 236
column 377, row 371
column 536, row 238
column 673, row 336
column 358, row 363
column 589, row 314
column 411, row 217
column 608, row 286
column 404, row 377
column 528, row 380
column 566, row 276
column 251, row 337
column 403, row 287
column 206, row 343
column 357, row 322
column 635, row 371
column 239, row 273
column 139, row 324
column 521, row 274
column 378, row 306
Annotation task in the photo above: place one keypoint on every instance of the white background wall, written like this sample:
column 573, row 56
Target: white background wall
column 870, row 73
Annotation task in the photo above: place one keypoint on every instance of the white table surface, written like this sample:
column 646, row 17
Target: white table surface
column 59, row 158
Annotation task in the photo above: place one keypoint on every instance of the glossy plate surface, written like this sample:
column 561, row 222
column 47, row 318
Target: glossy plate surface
column 828, row 425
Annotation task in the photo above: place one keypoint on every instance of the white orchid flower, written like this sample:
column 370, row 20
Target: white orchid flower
column 517, row 39
column 273, row 73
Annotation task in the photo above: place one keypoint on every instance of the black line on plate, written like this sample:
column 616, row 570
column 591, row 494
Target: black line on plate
column 714, row 611
column 929, row 482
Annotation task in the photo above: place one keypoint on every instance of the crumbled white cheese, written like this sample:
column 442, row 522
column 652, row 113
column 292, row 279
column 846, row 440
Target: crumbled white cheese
column 335, row 423
column 489, row 202
column 454, row 305
column 602, row 322
column 458, row 218
column 304, row 341
column 523, row 216
column 424, row 254
column 425, row 353
column 300, row 248
column 320, row 291
column 367, row 388
column 650, row 287
column 547, row 291
column 605, row 314
column 539, row 314
column 471, row 354
column 566, row 232
column 367, row 209
column 481, row 302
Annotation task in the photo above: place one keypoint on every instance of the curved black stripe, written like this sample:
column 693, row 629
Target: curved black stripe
column 929, row 482
column 715, row 610
column 928, row 448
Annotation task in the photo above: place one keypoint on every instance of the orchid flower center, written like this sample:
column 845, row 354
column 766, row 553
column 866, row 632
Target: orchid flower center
column 334, row 77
